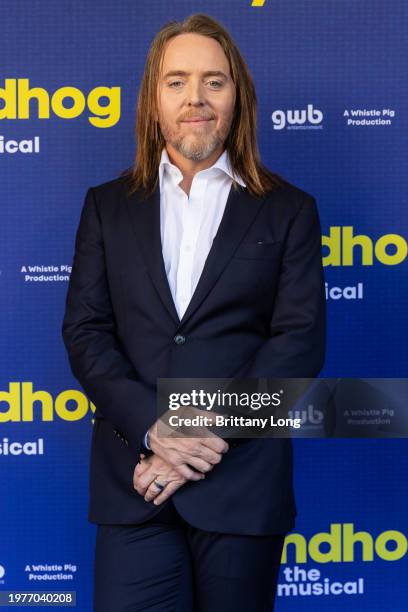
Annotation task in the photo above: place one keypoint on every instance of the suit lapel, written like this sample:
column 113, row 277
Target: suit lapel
column 145, row 220
column 240, row 211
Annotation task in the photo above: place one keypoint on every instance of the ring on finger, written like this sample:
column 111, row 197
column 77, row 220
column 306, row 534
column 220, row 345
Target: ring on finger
column 159, row 485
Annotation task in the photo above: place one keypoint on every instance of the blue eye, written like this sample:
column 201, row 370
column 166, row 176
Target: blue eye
column 218, row 84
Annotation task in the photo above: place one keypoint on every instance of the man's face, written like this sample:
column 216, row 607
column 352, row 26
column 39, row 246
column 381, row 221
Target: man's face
column 195, row 83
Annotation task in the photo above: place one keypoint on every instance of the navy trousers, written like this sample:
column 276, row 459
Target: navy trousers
column 167, row 565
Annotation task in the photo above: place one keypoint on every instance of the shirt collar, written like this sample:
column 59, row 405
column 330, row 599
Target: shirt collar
column 223, row 163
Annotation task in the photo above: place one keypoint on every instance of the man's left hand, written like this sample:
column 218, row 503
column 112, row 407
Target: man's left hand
column 154, row 468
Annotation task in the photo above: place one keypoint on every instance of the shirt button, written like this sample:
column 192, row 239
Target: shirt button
column 179, row 339
column 187, row 247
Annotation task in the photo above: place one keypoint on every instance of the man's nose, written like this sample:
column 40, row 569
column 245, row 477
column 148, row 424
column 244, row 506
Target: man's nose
column 195, row 93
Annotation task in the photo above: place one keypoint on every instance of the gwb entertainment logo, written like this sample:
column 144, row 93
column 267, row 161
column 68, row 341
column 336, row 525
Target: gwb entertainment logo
column 308, row 118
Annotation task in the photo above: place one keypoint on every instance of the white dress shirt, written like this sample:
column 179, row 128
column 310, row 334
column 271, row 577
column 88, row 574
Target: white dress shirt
column 189, row 223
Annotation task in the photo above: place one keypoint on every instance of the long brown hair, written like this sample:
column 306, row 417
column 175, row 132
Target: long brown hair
column 241, row 143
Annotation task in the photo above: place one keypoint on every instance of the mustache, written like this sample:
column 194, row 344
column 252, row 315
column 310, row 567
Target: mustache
column 196, row 116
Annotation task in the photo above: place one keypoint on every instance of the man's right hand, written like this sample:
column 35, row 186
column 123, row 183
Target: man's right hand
column 186, row 452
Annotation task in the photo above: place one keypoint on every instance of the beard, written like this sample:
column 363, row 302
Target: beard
column 196, row 145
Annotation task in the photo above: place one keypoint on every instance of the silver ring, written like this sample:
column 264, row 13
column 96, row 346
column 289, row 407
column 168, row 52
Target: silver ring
column 159, row 485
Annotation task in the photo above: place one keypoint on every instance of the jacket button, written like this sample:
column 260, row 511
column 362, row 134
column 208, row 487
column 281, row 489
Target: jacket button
column 179, row 339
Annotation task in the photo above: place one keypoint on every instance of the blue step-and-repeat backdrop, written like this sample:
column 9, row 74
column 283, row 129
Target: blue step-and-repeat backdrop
column 332, row 91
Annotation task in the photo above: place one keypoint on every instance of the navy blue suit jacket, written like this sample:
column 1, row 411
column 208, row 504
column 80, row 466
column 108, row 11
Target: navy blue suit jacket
column 258, row 311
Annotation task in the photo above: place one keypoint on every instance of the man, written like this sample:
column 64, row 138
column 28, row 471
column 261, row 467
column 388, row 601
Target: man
column 199, row 262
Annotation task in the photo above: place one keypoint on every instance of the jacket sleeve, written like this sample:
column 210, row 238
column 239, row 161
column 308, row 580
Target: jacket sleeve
column 296, row 347
column 88, row 330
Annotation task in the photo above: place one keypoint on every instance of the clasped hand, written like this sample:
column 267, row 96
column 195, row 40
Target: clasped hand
column 177, row 458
